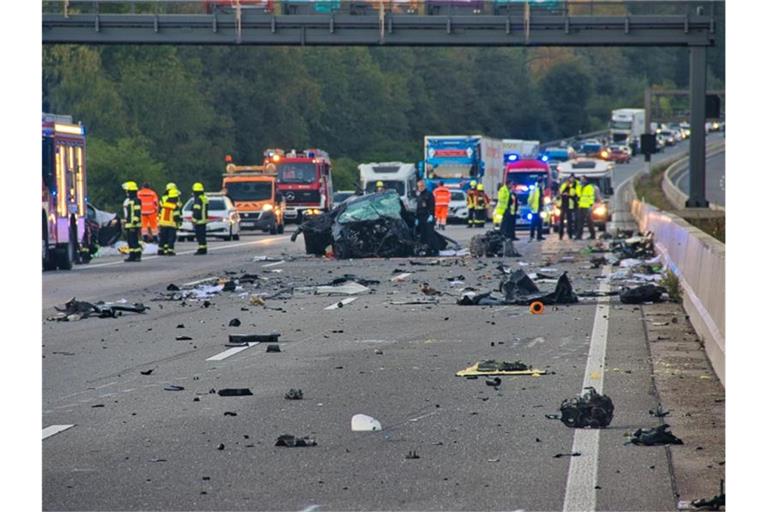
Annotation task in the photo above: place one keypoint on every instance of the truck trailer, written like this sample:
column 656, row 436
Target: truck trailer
column 458, row 160
column 627, row 125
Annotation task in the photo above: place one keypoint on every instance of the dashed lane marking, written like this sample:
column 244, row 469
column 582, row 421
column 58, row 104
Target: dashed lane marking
column 232, row 351
column 582, row 474
column 343, row 302
column 55, row 429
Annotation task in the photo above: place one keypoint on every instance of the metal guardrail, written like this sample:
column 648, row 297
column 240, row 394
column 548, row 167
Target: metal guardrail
column 389, row 22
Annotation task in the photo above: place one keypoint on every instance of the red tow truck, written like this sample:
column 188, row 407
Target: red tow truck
column 304, row 179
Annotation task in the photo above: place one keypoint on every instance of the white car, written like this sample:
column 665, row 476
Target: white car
column 457, row 208
column 223, row 219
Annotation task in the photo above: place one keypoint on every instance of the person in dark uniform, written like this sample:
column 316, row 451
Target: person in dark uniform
column 425, row 216
column 200, row 217
column 132, row 220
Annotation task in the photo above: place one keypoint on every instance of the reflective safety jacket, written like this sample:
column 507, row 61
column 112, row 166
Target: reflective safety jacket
column 472, row 197
column 132, row 212
column 571, row 192
column 587, row 196
column 170, row 213
column 534, row 199
column 442, row 196
column 482, row 200
column 200, row 209
column 148, row 199
column 506, row 200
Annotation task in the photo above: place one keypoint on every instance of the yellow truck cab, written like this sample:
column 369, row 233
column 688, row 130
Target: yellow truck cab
column 253, row 190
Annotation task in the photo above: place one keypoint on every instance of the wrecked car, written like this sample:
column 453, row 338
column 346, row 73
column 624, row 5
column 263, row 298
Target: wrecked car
column 370, row 226
column 591, row 409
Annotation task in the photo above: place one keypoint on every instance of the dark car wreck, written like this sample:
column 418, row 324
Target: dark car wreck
column 371, row 226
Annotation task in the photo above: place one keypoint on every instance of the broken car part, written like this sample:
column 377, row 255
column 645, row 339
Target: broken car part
column 294, row 394
column 290, row 441
column 492, row 243
column 591, row 409
column 654, row 436
column 273, row 348
column 235, row 392
column 253, row 338
column 642, row 294
column 492, row 367
column 75, row 310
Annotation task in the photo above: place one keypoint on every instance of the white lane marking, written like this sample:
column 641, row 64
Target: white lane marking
column 232, row 351
column 184, row 253
column 400, row 277
column 343, row 302
column 273, row 264
column 582, row 474
column 55, row 429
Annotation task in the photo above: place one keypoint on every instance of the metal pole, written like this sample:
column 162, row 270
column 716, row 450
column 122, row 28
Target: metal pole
column 698, row 157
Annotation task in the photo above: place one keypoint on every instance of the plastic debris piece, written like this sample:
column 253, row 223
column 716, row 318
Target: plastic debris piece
column 273, row 348
column 253, row 338
column 235, row 392
column 492, row 368
column 173, row 387
column 290, row 441
column 412, row 455
column 364, row 423
column 294, row 394
column 654, row 436
column 642, row 294
column 183, row 338
column 172, row 288
column 147, row 372
column 573, row 454
column 234, row 322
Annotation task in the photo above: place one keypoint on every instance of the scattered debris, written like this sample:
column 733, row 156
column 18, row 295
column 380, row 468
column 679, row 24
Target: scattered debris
column 426, row 289
column 183, row 338
column 496, row 382
column 294, row 394
column 352, row 278
column 414, row 302
column 492, row 243
column 714, row 503
column 290, row 441
column 536, row 307
column 172, row 288
column 75, row 310
column 574, row 454
column 273, row 348
column 147, row 372
column 642, row 294
column 241, row 339
column 363, row 423
column 220, row 446
column 412, row 455
column 230, row 413
column 235, row 392
column 234, row 322
column 256, row 300
column 591, row 409
column 173, row 387
column 654, row 436
column 491, row 367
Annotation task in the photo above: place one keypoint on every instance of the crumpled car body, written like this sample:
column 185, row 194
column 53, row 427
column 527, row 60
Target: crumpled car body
column 102, row 228
column 371, row 226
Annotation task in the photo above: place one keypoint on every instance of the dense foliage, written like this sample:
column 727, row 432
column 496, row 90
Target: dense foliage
column 171, row 113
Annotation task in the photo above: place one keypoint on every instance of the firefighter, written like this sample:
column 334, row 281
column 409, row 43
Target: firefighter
column 379, row 186
column 481, row 206
column 200, row 217
column 506, row 209
column 536, row 204
column 471, row 200
column 132, row 222
column 569, row 197
column 586, row 200
column 442, row 200
column 170, row 218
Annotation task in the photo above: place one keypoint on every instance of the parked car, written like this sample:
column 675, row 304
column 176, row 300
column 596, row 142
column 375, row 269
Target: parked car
column 223, row 219
column 669, row 137
column 340, row 196
column 457, row 208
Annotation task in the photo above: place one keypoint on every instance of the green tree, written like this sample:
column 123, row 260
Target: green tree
column 567, row 88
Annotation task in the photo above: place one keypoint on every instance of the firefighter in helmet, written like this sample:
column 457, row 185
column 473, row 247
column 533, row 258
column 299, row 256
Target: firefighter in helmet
column 200, row 217
column 132, row 220
column 170, row 218
column 379, row 186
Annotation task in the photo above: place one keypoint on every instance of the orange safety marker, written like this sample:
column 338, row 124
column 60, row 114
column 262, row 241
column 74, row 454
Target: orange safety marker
column 536, row 308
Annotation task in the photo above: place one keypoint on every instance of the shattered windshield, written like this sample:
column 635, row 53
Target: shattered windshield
column 372, row 207
column 296, row 173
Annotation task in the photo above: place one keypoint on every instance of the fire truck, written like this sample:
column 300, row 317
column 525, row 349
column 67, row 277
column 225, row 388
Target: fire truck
column 304, row 179
column 253, row 190
column 64, row 191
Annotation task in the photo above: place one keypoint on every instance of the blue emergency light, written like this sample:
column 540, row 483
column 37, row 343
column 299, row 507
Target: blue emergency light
column 529, row 216
column 545, row 158
column 513, row 157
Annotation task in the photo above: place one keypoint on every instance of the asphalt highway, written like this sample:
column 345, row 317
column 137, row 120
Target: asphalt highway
column 715, row 185
column 136, row 446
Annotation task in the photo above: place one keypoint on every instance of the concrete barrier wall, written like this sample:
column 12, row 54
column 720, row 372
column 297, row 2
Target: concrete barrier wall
column 699, row 262
column 674, row 195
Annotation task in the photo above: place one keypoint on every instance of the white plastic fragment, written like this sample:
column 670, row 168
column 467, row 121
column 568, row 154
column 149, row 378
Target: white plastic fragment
column 364, row 423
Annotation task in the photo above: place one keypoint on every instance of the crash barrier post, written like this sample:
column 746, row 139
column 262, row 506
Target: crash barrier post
column 698, row 260
column 676, row 196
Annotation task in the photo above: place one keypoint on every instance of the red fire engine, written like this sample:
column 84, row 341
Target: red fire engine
column 304, row 179
column 64, row 191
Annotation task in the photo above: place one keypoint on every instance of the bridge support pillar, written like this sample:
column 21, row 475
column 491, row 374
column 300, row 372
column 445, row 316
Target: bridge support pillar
column 698, row 158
